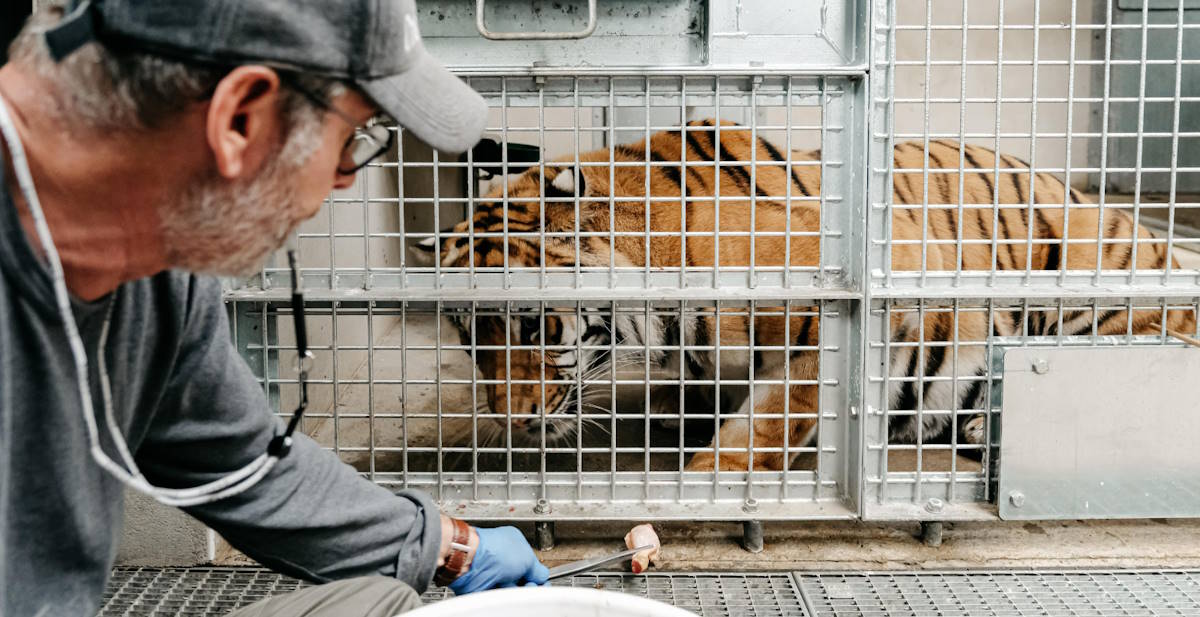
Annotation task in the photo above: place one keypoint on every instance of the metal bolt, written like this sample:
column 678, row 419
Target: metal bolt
column 934, row 505
column 1041, row 367
column 751, row 506
column 1016, row 498
column 542, row 507
column 853, row 411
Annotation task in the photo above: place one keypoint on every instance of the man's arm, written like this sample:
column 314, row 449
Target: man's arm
column 312, row 516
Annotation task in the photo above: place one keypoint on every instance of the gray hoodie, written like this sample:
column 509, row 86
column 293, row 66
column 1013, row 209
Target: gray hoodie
column 191, row 412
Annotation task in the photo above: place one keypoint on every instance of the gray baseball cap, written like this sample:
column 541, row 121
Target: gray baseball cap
column 374, row 44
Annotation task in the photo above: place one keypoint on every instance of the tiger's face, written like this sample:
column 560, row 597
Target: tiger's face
column 534, row 366
column 533, row 362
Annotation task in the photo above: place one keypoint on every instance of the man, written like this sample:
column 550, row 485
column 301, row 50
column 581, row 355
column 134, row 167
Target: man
column 146, row 138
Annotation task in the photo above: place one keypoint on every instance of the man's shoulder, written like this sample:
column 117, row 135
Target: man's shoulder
column 178, row 285
column 178, row 292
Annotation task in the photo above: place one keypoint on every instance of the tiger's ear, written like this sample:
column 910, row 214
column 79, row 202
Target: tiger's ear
column 564, row 184
column 424, row 253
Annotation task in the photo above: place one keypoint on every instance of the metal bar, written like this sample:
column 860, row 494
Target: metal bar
column 481, row 26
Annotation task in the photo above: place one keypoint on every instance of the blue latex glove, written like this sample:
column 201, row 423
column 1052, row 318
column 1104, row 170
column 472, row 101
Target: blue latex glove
column 503, row 559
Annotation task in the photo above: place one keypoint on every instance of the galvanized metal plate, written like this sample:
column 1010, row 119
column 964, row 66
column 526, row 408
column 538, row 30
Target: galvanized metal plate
column 214, row 592
column 810, row 36
column 1001, row 594
column 1157, row 5
column 1100, row 433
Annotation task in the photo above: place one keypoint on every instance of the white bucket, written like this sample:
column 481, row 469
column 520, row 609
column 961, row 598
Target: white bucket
column 548, row 602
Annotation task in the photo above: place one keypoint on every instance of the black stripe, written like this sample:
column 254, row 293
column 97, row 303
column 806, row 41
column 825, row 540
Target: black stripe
column 737, row 174
column 1035, row 322
column 1053, row 256
column 945, row 177
column 1021, row 197
column 700, row 334
column 982, row 226
column 776, row 155
column 970, row 158
column 908, row 392
column 970, row 400
column 706, row 153
column 672, row 173
column 594, row 331
column 802, row 339
column 1006, row 235
column 937, row 355
column 1113, row 224
column 1105, row 319
column 741, row 177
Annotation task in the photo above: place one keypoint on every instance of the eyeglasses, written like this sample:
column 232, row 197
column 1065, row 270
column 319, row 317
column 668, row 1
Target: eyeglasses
column 365, row 145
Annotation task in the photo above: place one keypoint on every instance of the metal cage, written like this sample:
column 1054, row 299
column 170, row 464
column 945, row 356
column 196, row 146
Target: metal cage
column 852, row 281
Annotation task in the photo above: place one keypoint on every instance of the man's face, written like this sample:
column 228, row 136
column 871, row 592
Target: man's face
column 228, row 227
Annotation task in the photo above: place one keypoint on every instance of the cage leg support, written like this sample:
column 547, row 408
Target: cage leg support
column 931, row 533
column 752, row 536
column 544, row 535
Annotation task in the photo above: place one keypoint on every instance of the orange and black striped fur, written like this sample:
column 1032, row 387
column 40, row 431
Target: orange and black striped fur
column 944, row 231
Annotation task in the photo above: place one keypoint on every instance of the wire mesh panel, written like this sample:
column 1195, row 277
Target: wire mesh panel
column 1026, row 174
column 932, row 431
column 635, row 298
column 574, row 165
column 712, row 293
column 599, row 407
column 1012, row 121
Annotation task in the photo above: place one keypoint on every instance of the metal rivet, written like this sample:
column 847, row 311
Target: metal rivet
column 1016, row 498
column 934, row 505
column 1041, row 367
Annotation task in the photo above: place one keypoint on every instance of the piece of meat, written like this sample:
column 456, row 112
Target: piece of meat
column 643, row 535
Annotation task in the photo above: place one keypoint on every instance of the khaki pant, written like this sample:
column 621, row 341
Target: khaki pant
column 371, row 596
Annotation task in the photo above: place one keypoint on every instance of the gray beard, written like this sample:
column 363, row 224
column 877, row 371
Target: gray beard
column 229, row 228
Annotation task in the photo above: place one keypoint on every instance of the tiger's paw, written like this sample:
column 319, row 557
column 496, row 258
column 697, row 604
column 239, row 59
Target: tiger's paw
column 974, row 430
column 733, row 461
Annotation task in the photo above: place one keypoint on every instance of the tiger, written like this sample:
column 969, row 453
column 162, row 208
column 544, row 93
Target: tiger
column 535, row 386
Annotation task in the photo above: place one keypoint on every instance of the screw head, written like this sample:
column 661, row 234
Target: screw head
column 1041, row 367
column 1016, row 498
column 934, row 505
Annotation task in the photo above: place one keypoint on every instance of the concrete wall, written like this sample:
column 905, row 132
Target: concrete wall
column 981, row 80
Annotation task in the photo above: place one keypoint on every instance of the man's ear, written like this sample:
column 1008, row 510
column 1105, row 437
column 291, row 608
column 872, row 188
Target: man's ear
column 243, row 120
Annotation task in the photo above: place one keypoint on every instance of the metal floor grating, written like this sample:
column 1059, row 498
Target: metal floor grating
column 1003, row 594
column 213, row 592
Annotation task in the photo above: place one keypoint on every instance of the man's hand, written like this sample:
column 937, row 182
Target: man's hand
column 502, row 559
